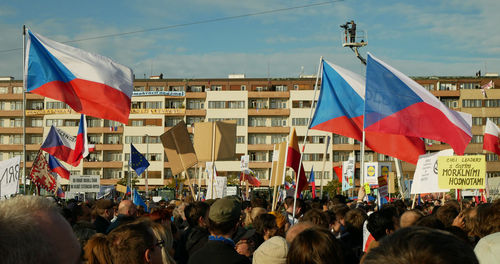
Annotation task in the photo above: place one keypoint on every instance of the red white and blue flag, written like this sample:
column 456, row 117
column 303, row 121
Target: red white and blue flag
column 249, row 175
column 340, row 111
column 60, row 193
column 89, row 83
column 66, row 147
column 396, row 104
column 312, row 182
column 56, row 167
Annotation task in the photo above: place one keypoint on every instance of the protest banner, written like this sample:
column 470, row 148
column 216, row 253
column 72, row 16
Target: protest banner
column 371, row 173
column 383, row 189
column 245, row 160
column 84, row 183
column 9, row 177
column 348, row 168
column 391, row 182
column 462, row 172
column 425, row 179
column 220, row 188
column 278, row 164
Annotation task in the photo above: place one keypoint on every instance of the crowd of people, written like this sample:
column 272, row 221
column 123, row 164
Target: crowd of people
column 36, row 229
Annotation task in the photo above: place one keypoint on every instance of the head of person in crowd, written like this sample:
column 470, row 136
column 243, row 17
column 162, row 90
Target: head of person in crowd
column 223, row 217
column 250, row 217
column 340, row 211
column 265, row 225
column 381, row 224
column 430, row 221
column 421, row 245
column 289, row 206
column 488, row 249
column 317, row 217
column 315, row 245
column 105, row 209
column 333, row 223
column 409, row 218
column 272, row 251
column 127, row 208
column 197, row 214
column 259, row 202
column 83, row 231
column 470, row 220
column 162, row 235
column 82, row 212
column 296, row 229
column 133, row 243
column 488, row 217
column 354, row 220
column 34, row 231
column 97, row 251
column 447, row 213
column 281, row 223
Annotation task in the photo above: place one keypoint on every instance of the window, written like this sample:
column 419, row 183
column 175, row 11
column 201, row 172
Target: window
column 137, row 122
column 236, row 104
column 301, row 104
column 240, row 139
column 91, row 172
column 469, row 86
column 258, row 104
column 340, row 156
column 278, row 104
column 34, row 105
column 3, row 105
column 428, row 86
column 239, row 121
column 258, row 156
column 35, row 122
column 317, row 139
column 190, row 120
column 139, row 88
column 177, row 88
column 196, row 88
column 319, row 175
column 477, row 121
column 314, row 157
column 94, row 138
column 492, row 103
column 93, row 122
column 133, row 139
column 382, row 157
column 368, row 156
column 57, row 105
column 493, row 174
column 243, row 87
column 216, row 88
column 281, row 88
column 491, row 157
column 477, row 139
column 296, row 87
column 195, row 104
column 4, row 90
column 156, row 88
column 172, row 121
column 257, row 121
column 112, row 173
column 471, row 103
column 71, row 123
column 154, row 157
column 450, row 102
column 54, row 122
column 275, row 139
column 111, row 123
column 16, row 105
column 216, row 104
column 16, row 122
column 154, row 105
column 256, row 139
column 113, row 139
column 447, row 86
column 338, row 139
column 278, row 121
column 17, row 90
column 176, row 104
column 304, row 121
column 495, row 120
column 16, row 139
column 113, row 156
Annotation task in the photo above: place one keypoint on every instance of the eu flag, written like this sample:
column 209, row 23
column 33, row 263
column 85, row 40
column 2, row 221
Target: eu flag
column 137, row 161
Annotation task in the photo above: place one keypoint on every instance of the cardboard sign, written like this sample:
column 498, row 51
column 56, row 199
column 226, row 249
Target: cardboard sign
column 425, row 179
column 178, row 148
column 9, row 177
column 462, row 172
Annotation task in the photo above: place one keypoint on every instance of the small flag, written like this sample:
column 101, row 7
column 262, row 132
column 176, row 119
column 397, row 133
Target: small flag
column 137, row 161
column 40, row 174
column 56, row 167
column 491, row 137
column 312, row 182
column 60, row 193
column 487, row 87
column 139, row 201
column 128, row 191
column 338, row 172
column 249, row 175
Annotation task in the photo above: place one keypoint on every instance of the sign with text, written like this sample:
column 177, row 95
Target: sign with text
column 84, row 183
column 462, row 172
column 373, row 170
column 9, row 177
column 383, row 189
column 425, row 179
column 245, row 160
column 164, row 93
column 348, row 168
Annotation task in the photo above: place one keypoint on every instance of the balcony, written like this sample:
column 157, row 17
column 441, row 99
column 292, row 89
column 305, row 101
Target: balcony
column 269, row 94
column 259, row 165
column 9, row 113
column 107, row 130
column 118, row 146
column 196, row 112
column 19, row 130
column 201, row 95
column 103, row 164
column 446, row 93
column 268, row 112
column 269, row 130
column 260, row 147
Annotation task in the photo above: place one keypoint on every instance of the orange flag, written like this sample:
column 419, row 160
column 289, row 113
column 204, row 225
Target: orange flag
column 293, row 161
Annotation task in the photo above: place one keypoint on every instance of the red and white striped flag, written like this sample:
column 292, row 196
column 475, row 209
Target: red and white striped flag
column 490, row 140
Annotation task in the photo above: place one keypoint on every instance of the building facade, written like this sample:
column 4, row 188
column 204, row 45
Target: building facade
column 265, row 110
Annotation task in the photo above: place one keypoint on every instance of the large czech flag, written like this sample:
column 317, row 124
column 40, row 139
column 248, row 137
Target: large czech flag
column 340, row 111
column 89, row 83
column 396, row 104
column 56, row 167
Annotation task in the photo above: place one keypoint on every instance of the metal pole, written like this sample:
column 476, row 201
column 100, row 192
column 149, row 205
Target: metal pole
column 147, row 169
column 305, row 137
column 24, row 112
column 323, row 169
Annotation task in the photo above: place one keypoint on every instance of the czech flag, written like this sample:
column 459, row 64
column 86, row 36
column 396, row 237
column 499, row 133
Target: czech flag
column 340, row 111
column 56, row 167
column 490, row 140
column 89, row 83
column 293, row 161
column 60, row 193
column 396, row 104
column 312, row 182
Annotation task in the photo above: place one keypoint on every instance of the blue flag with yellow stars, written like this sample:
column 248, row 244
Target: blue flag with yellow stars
column 137, row 161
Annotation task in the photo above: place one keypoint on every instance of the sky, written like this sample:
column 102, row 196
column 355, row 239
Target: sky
column 192, row 39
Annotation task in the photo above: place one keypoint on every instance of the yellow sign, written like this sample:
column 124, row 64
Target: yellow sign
column 48, row 112
column 367, row 188
column 385, row 170
column 462, row 172
column 158, row 111
column 370, row 170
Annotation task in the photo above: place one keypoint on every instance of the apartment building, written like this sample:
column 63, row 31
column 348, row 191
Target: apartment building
column 265, row 111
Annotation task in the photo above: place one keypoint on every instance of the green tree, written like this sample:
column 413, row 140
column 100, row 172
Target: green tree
column 333, row 188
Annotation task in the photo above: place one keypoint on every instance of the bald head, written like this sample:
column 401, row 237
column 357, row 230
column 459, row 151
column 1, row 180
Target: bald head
column 297, row 229
column 127, row 207
column 409, row 218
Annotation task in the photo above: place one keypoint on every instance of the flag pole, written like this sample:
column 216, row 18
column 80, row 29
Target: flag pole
column 275, row 179
column 305, row 137
column 147, row 169
column 323, row 169
column 24, row 110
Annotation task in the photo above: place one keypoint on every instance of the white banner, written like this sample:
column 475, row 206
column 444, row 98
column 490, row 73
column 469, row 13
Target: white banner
column 9, row 177
column 245, row 159
column 425, row 179
column 371, row 173
column 220, row 188
column 348, row 168
column 84, row 183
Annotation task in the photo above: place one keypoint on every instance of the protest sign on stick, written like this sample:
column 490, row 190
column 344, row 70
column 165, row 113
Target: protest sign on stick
column 425, row 179
column 462, row 172
column 9, row 177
